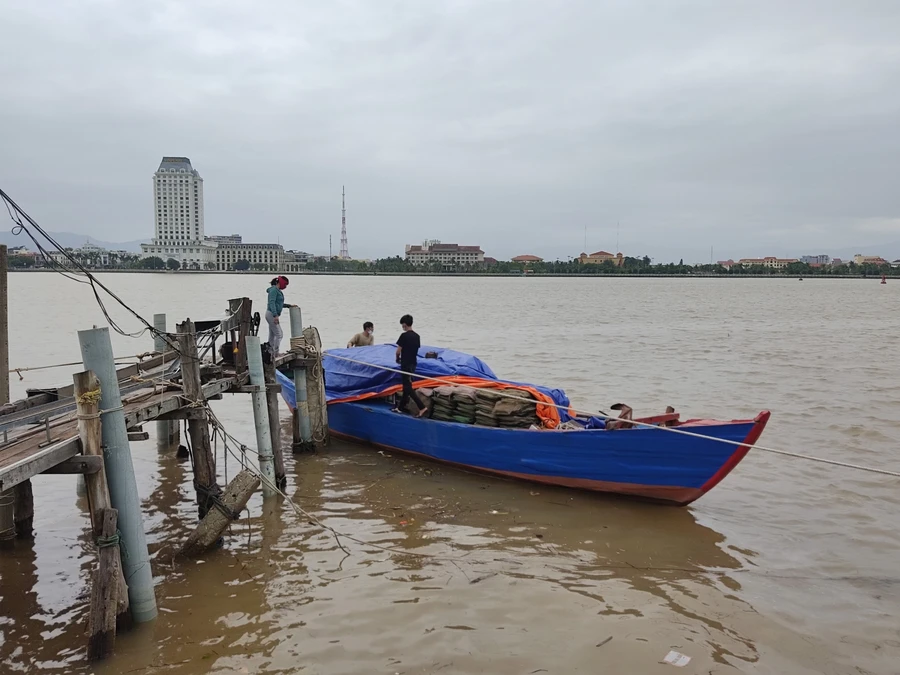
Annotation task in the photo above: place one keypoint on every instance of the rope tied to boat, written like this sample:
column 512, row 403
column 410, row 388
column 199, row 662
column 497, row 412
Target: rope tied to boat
column 674, row 430
column 119, row 360
column 110, row 541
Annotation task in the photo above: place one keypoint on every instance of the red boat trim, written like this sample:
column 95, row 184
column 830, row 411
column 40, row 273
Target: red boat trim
column 666, row 494
column 761, row 420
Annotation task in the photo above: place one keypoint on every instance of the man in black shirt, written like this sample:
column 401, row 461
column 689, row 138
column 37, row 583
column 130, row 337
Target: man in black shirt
column 407, row 356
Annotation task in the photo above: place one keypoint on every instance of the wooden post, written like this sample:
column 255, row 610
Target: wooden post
column 97, row 355
column 168, row 434
column 272, row 391
column 208, row 489
column 243, row 307
column 315, row 386
column 24, row 509
column 7, row 519
column 102, row 617
column 90, row 431
column 234, row 499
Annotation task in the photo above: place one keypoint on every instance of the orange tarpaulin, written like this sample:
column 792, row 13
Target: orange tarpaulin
column 548, row 414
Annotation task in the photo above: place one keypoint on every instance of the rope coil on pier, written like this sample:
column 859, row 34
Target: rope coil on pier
column 89, row 397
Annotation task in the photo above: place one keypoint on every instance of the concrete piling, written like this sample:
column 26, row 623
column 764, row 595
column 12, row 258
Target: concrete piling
column 168, row 433
column 97, row 355
column 261, row 415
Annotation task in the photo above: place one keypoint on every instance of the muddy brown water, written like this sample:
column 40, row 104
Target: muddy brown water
column 785, row 567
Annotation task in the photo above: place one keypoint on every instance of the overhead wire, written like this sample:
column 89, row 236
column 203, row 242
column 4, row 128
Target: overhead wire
column 94, row 283
column 17, row 214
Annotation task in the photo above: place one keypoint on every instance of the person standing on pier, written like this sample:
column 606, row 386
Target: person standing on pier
column 408, row 345
column 364, row 339
column 274, row 307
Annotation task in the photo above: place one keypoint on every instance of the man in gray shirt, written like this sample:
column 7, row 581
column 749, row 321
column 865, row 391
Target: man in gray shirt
column 364, row 339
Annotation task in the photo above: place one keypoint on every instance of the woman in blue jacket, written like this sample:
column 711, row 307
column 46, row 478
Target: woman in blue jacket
column 273, row 312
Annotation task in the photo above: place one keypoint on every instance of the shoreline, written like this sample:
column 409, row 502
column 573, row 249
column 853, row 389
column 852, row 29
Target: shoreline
column 697, row 275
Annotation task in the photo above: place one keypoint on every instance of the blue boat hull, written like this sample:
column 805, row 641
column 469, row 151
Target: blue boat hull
column 648, row 463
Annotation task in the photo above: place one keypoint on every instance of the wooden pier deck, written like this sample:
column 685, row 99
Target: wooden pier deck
column 42, row 436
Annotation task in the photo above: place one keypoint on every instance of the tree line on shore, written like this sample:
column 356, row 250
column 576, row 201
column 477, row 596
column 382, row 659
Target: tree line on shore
column 629, row 266
column 399, row 265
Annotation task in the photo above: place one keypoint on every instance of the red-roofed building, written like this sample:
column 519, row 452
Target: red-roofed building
column 727, row 264
column 860, row 259
column 527, row 259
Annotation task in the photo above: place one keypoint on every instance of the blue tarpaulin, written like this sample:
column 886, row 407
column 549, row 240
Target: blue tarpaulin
column 347, row 380
column 344, row 379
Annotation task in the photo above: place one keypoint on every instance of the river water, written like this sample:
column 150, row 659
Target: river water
column 787, row 566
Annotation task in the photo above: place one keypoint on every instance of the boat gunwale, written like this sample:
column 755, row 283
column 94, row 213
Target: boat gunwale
column 697, row 423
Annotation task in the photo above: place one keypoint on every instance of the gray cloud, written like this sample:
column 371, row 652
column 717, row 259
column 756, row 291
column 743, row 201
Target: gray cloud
column 751, row 127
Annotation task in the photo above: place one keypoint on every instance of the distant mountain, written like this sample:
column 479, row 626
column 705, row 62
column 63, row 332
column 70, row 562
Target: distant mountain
column 70, row 240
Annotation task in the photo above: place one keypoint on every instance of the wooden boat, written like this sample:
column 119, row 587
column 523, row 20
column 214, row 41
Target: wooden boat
column 652, row 463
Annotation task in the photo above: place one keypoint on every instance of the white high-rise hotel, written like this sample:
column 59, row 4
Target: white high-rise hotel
column 178, row 197
column 178, row 214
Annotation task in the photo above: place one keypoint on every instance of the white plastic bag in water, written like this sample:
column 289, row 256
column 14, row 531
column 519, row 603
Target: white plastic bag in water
column 677, row 659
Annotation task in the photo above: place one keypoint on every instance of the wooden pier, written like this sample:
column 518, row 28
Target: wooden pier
column 86, row 427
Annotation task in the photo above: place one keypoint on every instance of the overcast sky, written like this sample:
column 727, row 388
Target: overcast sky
column 514, row 124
